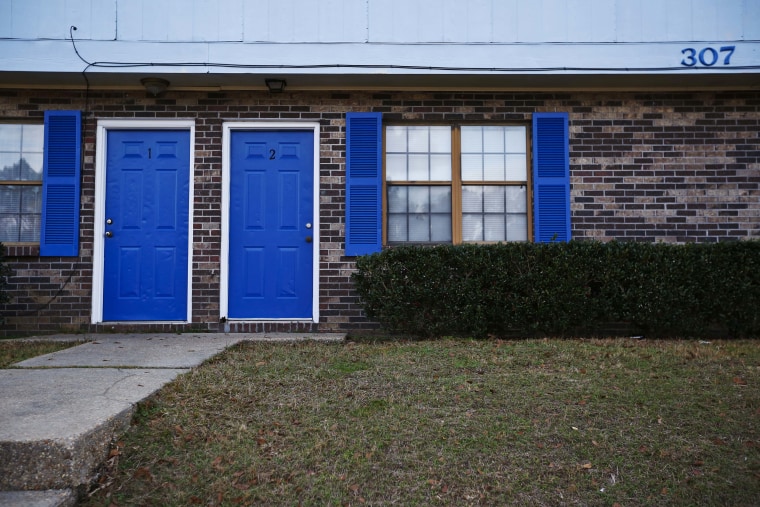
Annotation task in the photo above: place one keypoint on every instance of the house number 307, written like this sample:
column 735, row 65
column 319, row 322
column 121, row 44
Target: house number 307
column 707, row 56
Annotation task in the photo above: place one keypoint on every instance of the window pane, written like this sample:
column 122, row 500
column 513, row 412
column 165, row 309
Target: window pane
column 440, row 200
column 395, row 167
column 517, row 199
column 10, row 137
column 440, row 139
column 419, row 199
column 489, row 211
column 419, row 139
column 419, row 227
column 494, row 200
column 31, row 199
column 493, row 167
column 397, row 229
column 472, row 227
column 494, row 228
column 30, row 228
column 472, row 199
column 31, row 167
column 8, row 228
column 493, row 139
column 10, row 199
column 472, row 140
column 515, row 139
column 395, row 139
column 472, row 167
column 516, row 168
column 418, row 168
column 440, row 227
column 517, row 227
column 9, row 166
column 397, row 197
column 33, row 138
column 419, row 214
column 440, row 168
column 503, row 154
column 418, row 153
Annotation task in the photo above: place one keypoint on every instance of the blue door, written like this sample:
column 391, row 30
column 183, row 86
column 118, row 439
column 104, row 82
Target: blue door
column 271, row 217
column 146, row 214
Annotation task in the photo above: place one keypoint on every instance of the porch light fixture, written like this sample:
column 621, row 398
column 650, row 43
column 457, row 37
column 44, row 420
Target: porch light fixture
column 155, row 85
column 275, row 85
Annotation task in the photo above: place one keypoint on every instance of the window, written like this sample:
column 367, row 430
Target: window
column 21, row 159
column 40, row 183
column 455, row 184
column 489, row 194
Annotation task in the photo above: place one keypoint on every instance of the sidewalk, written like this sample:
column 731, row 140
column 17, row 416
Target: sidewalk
column 62, row 411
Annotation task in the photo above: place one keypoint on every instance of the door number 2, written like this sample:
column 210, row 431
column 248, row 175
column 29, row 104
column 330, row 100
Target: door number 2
column 707, row 56
column 272, row 154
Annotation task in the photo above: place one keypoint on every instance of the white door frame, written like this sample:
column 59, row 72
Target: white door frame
column 98, row 245
column 224, row 273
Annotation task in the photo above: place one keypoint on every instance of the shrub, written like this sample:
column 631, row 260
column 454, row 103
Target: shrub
column 579, row 287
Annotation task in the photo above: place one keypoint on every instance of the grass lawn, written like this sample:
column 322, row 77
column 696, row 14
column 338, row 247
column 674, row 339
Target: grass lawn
column 13, row 351
column 451, row 422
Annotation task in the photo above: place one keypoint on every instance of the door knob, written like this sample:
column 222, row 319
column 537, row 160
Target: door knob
column 109, row 234
column 109, row 221
column 308, row 226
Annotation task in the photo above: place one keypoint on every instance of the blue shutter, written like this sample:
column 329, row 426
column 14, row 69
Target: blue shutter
column 60, row 184
column 363, row 183
column 551, row 178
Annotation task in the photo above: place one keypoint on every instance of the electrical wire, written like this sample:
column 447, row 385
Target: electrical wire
column 439, row 68
column 78, row 266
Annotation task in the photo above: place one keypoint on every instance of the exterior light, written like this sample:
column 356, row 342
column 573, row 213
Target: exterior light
column 155, row 85
column 276, row 85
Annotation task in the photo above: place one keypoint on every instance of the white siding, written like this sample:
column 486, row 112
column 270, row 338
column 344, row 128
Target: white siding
column 321, row 41
column 505, row 21
column 304, row 21
column 751, row 20
column 384, row 21
column 51, row 19
column 179, row 20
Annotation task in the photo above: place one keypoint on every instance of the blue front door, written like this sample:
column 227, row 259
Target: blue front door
column 271, row 216
column 146, row 229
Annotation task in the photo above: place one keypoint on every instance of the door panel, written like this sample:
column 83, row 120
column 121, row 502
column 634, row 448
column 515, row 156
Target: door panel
column 271, row 211
column 146, row 243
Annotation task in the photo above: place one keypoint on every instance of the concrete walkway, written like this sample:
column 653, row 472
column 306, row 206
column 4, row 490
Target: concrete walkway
column 62, row 411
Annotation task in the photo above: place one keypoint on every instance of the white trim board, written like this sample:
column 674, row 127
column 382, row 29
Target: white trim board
column 98, row 247
column 227, row 129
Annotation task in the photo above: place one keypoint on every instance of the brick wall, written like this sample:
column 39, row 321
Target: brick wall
column 673, row 167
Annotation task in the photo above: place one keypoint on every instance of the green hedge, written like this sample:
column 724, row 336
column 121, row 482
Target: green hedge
column 572, row 288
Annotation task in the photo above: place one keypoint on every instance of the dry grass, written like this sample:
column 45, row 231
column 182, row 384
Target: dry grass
column 451, row 422
column 13, row 351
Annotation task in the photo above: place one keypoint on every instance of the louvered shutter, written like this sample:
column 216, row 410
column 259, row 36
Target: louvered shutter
column 60, row 184
column 551, row 178
column 363, row 183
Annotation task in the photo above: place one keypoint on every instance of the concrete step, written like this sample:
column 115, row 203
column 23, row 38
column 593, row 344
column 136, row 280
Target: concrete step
column 48, row 498
column 63, row 411
column 57, row 425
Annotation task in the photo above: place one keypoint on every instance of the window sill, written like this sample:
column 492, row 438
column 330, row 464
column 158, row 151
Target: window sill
column 22, row 249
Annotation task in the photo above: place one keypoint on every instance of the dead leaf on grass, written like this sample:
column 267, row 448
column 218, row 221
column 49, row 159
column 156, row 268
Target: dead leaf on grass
column 143, row 473
column 739, row 381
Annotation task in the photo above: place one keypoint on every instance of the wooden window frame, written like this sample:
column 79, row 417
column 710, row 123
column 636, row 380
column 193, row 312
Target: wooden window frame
column 456, row 182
